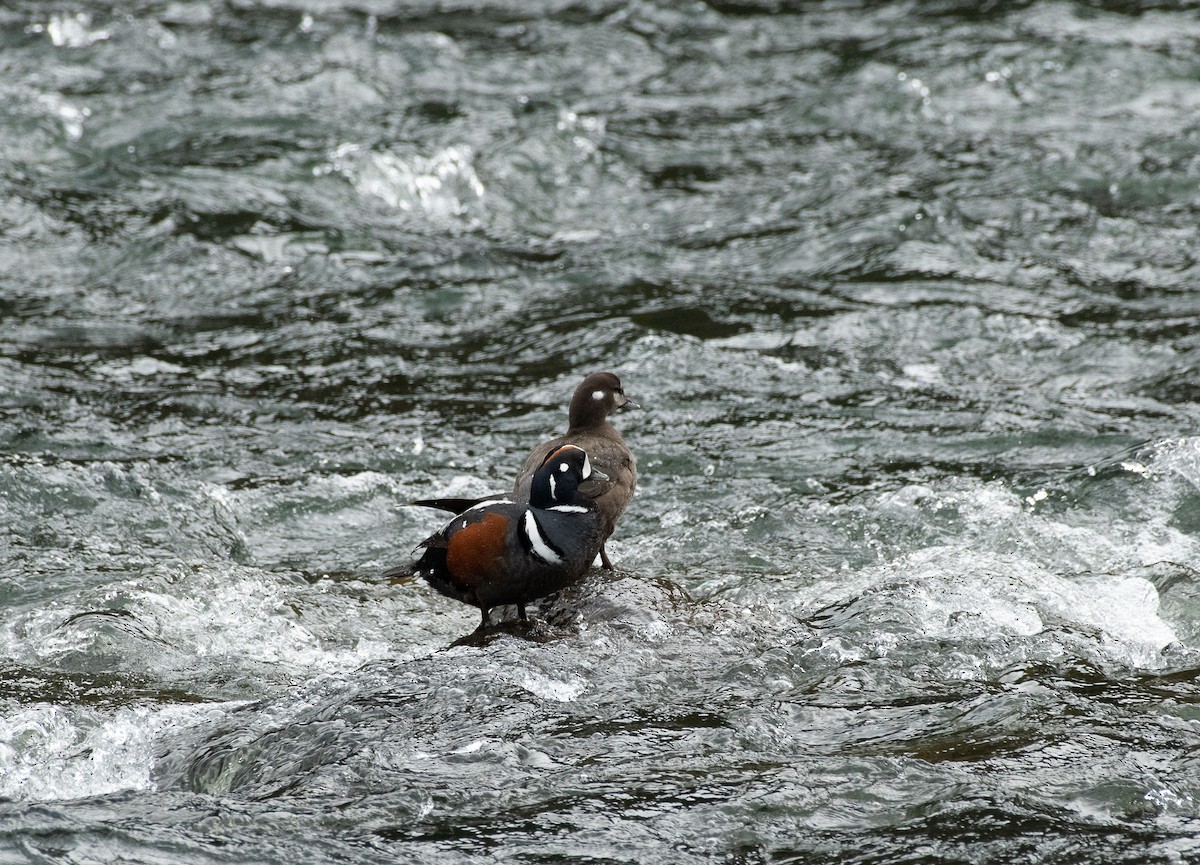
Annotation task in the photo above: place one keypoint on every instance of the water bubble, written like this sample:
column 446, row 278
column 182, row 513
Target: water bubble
column 1137, row 468
column 71, row 116
column 443, row 184
column 71, row 31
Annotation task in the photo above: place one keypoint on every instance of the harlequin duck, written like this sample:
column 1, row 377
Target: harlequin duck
column 511, row 551
column 598, row 396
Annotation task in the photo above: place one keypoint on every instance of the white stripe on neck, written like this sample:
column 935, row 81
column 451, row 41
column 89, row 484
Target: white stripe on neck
column 537, row 541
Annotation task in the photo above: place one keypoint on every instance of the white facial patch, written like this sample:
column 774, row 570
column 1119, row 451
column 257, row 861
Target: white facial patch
column 537, row 543
column 587, row 467
column 597, row 394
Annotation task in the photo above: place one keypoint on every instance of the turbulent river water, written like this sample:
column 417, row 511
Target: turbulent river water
column 909, row 294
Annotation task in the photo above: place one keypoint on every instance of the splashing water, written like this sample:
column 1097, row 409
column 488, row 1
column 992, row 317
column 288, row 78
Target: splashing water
column 906, row 293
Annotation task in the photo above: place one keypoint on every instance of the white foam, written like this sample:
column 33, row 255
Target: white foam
column 177, row 616
column 246, row 616
column 443, row 184
column 950, row 593
column 49, row 754
column 1092, row 536
column 503, row 753
column 141, row 367
column 552, row 689
column 71, row 31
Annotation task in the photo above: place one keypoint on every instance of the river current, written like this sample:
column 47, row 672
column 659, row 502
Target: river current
column 908, row 294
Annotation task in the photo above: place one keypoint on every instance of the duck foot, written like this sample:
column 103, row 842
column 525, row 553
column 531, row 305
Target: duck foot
column 532, row 630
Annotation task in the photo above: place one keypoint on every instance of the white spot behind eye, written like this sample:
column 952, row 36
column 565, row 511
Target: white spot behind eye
column 563, row 467
column 597, row 394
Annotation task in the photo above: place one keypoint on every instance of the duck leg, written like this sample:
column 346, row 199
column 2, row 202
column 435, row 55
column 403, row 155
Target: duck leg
column 605, row 562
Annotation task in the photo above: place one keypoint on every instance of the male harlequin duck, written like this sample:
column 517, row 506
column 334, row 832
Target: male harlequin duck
column 511, row 551
column 594, row 400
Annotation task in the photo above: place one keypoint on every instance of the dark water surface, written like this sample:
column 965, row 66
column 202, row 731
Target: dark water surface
column 910, row 294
